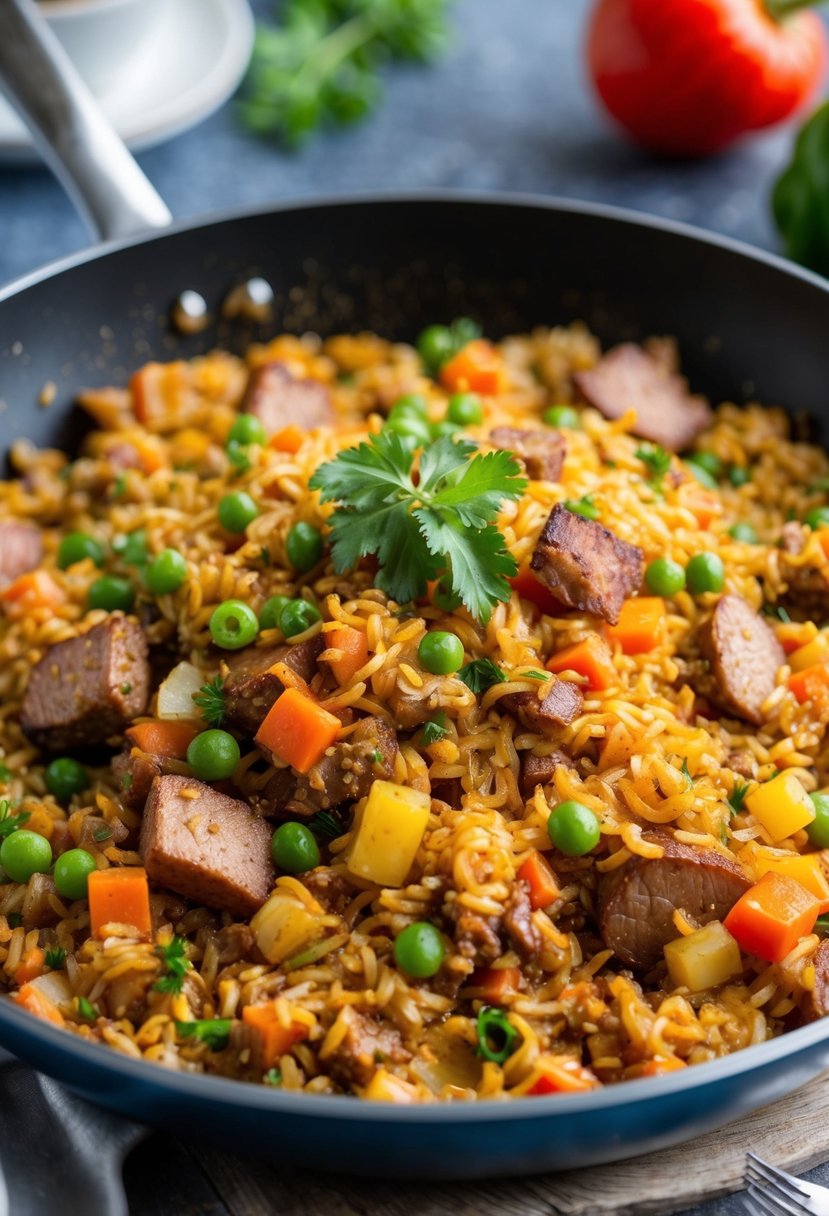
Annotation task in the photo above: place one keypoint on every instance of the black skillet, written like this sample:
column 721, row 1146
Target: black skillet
column 749, row 324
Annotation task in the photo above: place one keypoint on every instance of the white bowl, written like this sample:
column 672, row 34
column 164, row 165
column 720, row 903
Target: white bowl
column 102, row 37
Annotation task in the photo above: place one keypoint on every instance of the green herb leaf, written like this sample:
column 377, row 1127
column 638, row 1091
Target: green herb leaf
column 55, row 957
column 738, row 796
column 10, row 823
column 211, row 701
column 583, row 506
column 273, row 1077
column 822, row 925
column 778, row 612
column 104, row 833
column 657, row 461
column 481, row 674
column 686, row 772
column 325, row 826
column 215, row 1032
column 800, row 199
column 86, row 1009
column 434, row 730
column 5, row 773
column 174, row 957
column 541, row 676
column 440, row 528
column 497, row 1037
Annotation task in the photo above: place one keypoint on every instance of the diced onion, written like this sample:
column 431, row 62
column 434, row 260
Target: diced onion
column 55, row 986
column 175, row 696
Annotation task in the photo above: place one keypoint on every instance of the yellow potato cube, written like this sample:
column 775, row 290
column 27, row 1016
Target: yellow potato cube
column 284, row 925
column 703, row 959
column 814, row 652
column 781, row 805
column 388, row 829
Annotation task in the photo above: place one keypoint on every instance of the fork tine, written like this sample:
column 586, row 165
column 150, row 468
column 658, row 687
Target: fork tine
column 786, row 1200
column 786, row 1183
column 769, row 1204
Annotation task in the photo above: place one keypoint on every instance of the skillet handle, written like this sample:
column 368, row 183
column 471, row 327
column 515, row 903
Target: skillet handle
column 72, row 134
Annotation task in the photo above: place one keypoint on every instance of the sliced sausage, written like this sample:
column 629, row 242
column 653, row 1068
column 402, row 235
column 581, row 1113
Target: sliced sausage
column 807, row 592
column 637, row 901
column 251, row 688
column 279, row 399
column 88, row 688
column 585, row 565
column 21, row 549
column 559, row 705
column 818, row 999
column 628, row 378
column 540, row 770
column 205, row 846
column 744, row 655
column 542, row 452
column 366, row 1044
column 344, row 774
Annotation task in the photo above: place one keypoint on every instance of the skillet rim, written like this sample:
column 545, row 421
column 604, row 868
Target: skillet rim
column 234, row 1093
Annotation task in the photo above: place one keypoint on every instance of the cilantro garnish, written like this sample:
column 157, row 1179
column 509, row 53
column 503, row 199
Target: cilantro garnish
column 105, row 832
column 211, row 701
column 777, row 611
column 175, row 960
column 533, row 675
column 738, row 796
column 481, row 674
column 215, row 1032
column 273, row 1077
column 657, row 461
column 54, row 957
column 325, row 826
column 441, row 528
column 10, row 823
column 434, row 730
column 86, row 1009
column 583, row 506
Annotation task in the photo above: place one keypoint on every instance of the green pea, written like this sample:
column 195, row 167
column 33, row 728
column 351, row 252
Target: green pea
column 665, row 577
column 744, row 532
column 818, row 517
column 739, row 476
column 76, row 546
column 701, row 473
column 236, row 511
column 435, row 345
column 818, row 829
column 303, row 545
column 419, row 950
column 213, row 755
column 708, row 461
column 72, row 870
column 410, row 426
column 705, row 572
column 440, row 653
column 297, row 616
column 294, row 849
column 166, row 572
column 465, row 409
column 247, row 429
column 439, row 429
column 270, row 610
column 411, row 404
column 573, row 828
column 65, row 777
column 233, row 624
column 562, row 416
column 111, row 593
column 25, row 853
column 132, row 548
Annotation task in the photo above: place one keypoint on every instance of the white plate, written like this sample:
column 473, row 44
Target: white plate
column 192, row 64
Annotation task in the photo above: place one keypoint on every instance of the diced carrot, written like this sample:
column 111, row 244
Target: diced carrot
column 30, row 966
column 805, row 868
column 532, row 589
column 289, row 439
column 119, row 895
column 163, row 737
column 702, row 503
column 476, row 368
column 31, row 592
column 535, row 871
column 298, row 730
column 772, row 916
column 641, row 624
column 662, row 1064
column 33, row 1001
column 276, row 1038
column 354, row 646
column 559, row 1075
column 496, row 982
column 812, row 684
column 590, row 658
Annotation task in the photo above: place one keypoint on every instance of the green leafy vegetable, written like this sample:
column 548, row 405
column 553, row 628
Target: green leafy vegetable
column 5, row 773
column 686, row 772
column 55, row 957
column 321, row 65
column 215, row 1032
column 800, row 199
column 738, row 796
column 86, row 1009
column 10, row 823
column 440, row 528
column 533, row 675
column 657, row 461
column 211, row 701
column 481, row 674
column 273, row 1077
column 176, row 963
column 105, row 832
column 325, row 826
column 777, row 611
column 434, row 730
column 583, row 506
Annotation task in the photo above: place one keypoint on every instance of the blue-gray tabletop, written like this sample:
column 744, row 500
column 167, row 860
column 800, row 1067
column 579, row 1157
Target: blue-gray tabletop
column 507, row 108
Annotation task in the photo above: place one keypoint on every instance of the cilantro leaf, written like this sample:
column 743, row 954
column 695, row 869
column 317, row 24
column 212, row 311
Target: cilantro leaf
column 657, row 461
column 54, row 957
column 583, row 506
column 174, row 957
column 481, row 674
column 211, row 701
column 441, row 527
column 434, row 729
column 325, row 826
column 10, row 823
column 273, row 1077
column 215, row 1032
column 533, row 675
column 737, row 796
column 86, row 1009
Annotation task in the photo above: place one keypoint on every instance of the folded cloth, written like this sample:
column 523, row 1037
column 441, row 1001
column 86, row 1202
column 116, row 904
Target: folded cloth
column 60, row 1154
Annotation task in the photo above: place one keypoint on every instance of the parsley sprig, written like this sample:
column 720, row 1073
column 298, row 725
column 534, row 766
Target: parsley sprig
column 10, row 823
column 481, row 674
column 211, row 701
column 215, row 1032
column 737, row 797
column 440, row 528
column 657, row 461
column 434, row 729
column 174, row 957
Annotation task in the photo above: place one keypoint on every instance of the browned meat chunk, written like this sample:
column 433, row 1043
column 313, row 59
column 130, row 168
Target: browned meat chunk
column 542, row 452
column 540, row 770
column 21, row 549
column 235, row 942
column 205, row 846
column 518, row 921
column 99, row 833
column 134, row 773
column 807, row 595
column 560, row 704
column 744, row 655
column 637, row 901
column 331, row 888
column 411, row 711
column 628, row 378
column 37, row 911
column 365, row 1046
column 817, row 1002
column 742, row 763
column 279, row 399
column 251, row 688
column 85, row 689
column 476, row 936
column 344, row 774
column 585, row 565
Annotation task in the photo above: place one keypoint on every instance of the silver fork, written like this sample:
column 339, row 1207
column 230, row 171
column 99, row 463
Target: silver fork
column 772, row 1192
